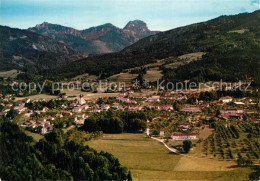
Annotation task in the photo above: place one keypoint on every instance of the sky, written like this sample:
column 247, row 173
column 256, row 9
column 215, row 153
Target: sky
column 81, row 14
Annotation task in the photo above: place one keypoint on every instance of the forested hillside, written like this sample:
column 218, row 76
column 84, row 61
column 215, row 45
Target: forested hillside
column 54, row 157
column 229, row 40
column 26, row 50
column 235, row 56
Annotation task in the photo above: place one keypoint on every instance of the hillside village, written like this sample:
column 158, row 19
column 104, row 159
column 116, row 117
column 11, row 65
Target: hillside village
column 173, row 115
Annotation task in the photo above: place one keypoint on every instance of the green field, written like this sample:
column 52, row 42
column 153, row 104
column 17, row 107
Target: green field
column 123, row 77
column 37, row 97
column 153, row 74
column 36, row 136
column 150, row 160
column 186, row 58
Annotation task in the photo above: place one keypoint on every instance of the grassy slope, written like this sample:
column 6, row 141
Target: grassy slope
column 148, row 159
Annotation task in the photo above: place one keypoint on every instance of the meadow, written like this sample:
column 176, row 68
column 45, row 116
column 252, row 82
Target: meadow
column 150, row 160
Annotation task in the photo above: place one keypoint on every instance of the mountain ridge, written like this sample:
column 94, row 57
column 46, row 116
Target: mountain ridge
column 21, row 49
column 199, row 37
column 100, row 39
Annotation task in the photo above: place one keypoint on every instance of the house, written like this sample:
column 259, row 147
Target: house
column 136, row 96
column 105, row 107
column 184, row 126
column 27, row 100
column 255, row 120
column 96, row 106
column 9, row 105
column 44, row 109
column 59, row 115
column 144, row 91
column 31, row 124
column 251, row 111
column 136, row 108
column 226, row 99
column 21, row 104
column 232, row 111
column 131, row 101
column 239, row 103
column 126, row 100
column 154, row 107
column 226, row 116
column 67, row 113
column 45, row 127
column 43, row 130
column 77, row 109
column 191, row 109
column 181, row 97
column 116, row 105
column 20, row 109
column 184, row 136
column 8, row 97
column 131, row 92
column 166, row 108
column 161, row 132
column 41, row 120
column 3, row 113
column 6, row 110
column 37, row 112
column 168, row 97
column 96, row 111
column 82, row 116
column 73, row 105
column 153, row 99
column 50, row 118
column 64, row 97
column 85, row 107
column 28, row 114
column 81, row 100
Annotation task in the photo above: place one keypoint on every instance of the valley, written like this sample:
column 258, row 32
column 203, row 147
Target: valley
column 110, row 103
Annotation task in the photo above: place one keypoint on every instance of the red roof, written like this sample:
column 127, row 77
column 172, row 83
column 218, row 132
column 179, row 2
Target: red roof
column 184, row 134
column 227, row 97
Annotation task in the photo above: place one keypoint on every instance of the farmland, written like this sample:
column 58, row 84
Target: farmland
column 148, row 159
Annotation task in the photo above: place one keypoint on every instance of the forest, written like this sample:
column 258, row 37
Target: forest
column 116, row 122
column 233, row 57
column 54, row 157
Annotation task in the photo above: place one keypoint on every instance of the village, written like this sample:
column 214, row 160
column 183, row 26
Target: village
column 166, row 104
column 219, row 125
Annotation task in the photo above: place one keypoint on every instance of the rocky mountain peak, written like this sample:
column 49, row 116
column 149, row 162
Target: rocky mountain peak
column 44, row 24
column 136, row 25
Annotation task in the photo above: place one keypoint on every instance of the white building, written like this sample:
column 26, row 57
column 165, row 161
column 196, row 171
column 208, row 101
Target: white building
column 76, row 109
column 184, row 136
column 226, row 99
column 81, row 100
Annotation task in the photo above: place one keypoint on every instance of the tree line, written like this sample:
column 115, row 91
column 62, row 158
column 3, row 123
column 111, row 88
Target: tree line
column 53, row 158
column 116, row 122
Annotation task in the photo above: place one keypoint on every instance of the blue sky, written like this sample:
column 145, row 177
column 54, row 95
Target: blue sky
column 82, row 14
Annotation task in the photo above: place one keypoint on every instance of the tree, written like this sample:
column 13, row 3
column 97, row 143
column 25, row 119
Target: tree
column 91, row 125
column 1, row 107
column 11, row 114
column 241, row 161
column 186, row 145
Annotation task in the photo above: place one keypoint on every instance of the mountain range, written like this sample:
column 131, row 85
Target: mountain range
column 105, row 38
column 24, row 50
column 49, row 45
column 231, row 45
